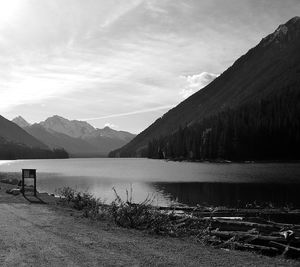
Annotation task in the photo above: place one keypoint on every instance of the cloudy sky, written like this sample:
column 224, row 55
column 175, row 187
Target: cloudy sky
column 122, row 63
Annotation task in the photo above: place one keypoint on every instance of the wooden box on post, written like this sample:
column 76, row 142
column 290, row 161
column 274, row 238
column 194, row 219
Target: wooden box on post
column 29, row 174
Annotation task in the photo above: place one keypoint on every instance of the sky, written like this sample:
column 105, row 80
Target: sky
column 122, row 63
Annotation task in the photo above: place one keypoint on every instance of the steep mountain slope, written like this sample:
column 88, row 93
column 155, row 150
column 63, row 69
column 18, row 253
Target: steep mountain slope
column 20, row 121
column 266, row 70
column 11, row 132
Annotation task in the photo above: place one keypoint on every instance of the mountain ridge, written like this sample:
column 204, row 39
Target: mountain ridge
column 73, row 128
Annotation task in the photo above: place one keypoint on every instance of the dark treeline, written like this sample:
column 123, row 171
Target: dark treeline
column 264, row 130
column 11, row 151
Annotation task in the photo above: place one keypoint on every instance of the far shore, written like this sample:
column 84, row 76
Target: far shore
column 222, row 161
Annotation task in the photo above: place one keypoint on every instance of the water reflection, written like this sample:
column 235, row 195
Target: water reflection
column 189, row 183
column 192, row 193
column 103, row 188
column 231, row 194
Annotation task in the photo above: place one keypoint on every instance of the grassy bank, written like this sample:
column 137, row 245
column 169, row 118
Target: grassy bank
column 61, row 236
column 245, row 229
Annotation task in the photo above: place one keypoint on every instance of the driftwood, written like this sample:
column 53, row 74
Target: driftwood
column 280, row 215
column 285, row 246
column 230, row 224
column 245, row 235
column 267, row 231
column 257, row 248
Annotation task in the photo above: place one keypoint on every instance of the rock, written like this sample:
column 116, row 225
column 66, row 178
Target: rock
column 15, row 191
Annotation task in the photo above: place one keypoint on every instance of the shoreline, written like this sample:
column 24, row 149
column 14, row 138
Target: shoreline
column 233, row 161
column 14, row 177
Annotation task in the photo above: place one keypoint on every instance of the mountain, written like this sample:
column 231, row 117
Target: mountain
column 110, row 133
column 72, row 128
column 16, row 143
column 20, row 121
column 268, row 72
column 106, row 140
column 79, row 138
column 82, row 129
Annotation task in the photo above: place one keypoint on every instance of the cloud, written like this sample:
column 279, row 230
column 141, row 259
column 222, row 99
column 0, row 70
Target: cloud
column 30, row 85
column 119, row 11
column 111, row 125
column 115, row 59
column 196, row 82
column 129, row 113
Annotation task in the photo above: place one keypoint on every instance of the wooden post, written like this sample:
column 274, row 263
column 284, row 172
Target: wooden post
column 23, row 183
column 30, row 174
column 34, row 187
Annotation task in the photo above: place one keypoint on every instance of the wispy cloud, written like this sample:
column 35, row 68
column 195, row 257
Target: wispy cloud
column 120, row 11
column 129, row 113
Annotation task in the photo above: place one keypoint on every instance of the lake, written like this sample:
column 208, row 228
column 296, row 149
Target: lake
column 216, row 184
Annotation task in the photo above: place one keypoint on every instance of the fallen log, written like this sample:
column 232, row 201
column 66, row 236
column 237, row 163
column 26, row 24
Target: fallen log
column 278, row 215
column 284, row 246
column 232, row 225
column 225, row 218
column 242, row 225
column 245, row 235
column 257, row 248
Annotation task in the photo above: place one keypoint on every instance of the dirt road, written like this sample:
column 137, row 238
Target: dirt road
column 47, row 235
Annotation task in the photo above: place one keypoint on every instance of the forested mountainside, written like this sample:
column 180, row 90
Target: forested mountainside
column 11, row 151
column 255, row 101
column 265, row 130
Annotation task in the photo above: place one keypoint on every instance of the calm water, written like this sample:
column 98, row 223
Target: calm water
column 188, row 183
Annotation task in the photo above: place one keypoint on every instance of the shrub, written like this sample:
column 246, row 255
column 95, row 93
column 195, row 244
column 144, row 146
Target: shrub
column 142, row 216
column 81, row 201
column 139, row 215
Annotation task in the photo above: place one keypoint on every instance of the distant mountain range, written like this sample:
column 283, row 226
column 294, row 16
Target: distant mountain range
column 252, row 109
column 78, row 138
column 20, row 122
